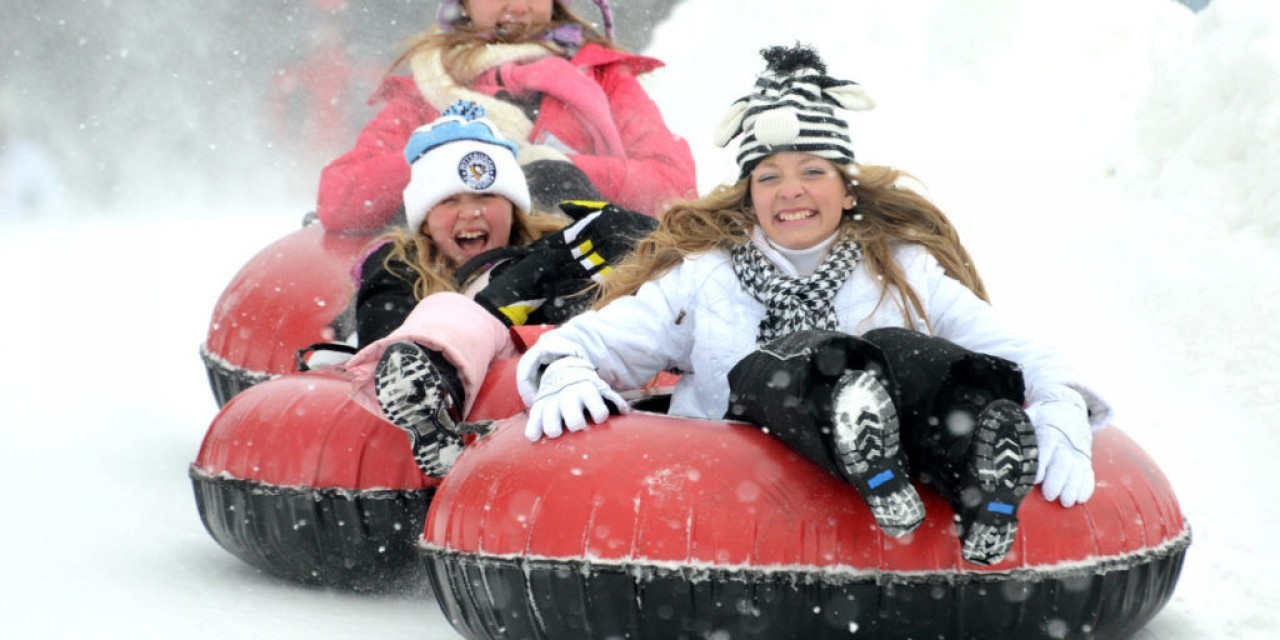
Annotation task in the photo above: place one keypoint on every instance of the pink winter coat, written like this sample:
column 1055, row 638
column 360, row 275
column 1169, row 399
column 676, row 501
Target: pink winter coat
column 594, row 112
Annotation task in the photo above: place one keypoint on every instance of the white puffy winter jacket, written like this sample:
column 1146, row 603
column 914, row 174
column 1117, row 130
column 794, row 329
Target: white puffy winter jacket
column 699, row 320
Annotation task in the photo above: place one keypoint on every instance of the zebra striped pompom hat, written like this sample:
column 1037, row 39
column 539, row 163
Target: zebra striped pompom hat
column 792, row 108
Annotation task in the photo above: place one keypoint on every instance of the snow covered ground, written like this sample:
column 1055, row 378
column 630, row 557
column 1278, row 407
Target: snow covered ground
column 1114, row 168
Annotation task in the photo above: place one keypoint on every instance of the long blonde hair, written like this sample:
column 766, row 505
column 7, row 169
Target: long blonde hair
column 886, row 215
column 464, row 42
column 433, row 272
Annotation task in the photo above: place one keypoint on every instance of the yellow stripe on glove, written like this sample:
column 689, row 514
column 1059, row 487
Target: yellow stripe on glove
column 518, row 313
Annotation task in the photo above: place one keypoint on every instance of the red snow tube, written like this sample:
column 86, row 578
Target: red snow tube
column 658, row 527
column 299, row 481
column 293, row 477
column 291, row 295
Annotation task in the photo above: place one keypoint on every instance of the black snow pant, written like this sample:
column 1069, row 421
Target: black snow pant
column 938, row 388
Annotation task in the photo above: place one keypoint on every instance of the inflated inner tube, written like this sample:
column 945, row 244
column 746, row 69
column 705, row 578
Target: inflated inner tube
column 658, row 527
column 297, row 480
column 292, row 294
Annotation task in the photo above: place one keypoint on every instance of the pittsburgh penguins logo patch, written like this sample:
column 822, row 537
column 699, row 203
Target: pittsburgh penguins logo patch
column 477, row 170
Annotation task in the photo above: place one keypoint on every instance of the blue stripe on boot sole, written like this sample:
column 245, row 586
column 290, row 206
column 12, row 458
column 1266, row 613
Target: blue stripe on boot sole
column 880, row 478
column 1000, row 507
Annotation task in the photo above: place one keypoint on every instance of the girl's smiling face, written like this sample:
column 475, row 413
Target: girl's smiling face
column 487, row 15
column 799, row 198
column 466, row 225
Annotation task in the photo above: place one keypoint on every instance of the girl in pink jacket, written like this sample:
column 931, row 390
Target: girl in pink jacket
column 552, row 84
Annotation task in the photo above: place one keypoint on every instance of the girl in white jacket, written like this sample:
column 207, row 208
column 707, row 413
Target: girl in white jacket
column 820, row 300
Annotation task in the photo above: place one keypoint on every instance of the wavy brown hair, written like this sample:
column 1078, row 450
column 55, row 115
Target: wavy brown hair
column 886, row 215
column 464, row 42
column 433, row 272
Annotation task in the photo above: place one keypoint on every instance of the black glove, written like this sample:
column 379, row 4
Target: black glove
column 553, row 181
column 550, row 284
column 601, row 236
column 519, row 288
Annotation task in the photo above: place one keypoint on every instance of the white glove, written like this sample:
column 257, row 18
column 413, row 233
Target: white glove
column 568, row 391
column 1065, row 440
column 549, row 348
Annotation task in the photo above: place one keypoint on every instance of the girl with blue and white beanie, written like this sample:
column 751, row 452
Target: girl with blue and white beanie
column 436, row 296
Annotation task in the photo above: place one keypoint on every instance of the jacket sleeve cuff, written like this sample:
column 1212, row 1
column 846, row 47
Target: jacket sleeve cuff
column 1078, row 394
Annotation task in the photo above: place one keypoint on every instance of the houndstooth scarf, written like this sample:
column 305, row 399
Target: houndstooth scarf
column 791, row 303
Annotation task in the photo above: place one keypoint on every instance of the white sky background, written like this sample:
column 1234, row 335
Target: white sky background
column 1113, row 165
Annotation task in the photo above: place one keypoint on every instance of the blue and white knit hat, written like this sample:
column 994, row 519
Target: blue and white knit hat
column 792, row 109
column 449, row 13
column 460, row 152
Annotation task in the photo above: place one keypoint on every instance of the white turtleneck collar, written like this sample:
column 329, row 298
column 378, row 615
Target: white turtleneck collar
column 795, row 262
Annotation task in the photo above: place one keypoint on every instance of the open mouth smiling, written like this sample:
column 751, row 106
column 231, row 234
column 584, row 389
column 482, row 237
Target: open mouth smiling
column 470, row 241
column 796, row 214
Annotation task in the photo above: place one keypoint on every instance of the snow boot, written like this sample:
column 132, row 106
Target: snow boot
column 868, row 446
column 419, row 392
column 1002, row 469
